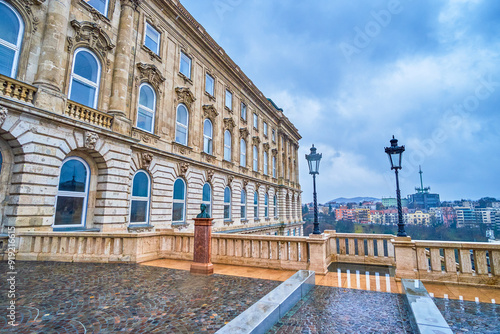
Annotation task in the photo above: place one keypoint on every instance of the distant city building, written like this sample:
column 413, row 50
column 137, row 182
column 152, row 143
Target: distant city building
column 422, row 199
column 390, row 202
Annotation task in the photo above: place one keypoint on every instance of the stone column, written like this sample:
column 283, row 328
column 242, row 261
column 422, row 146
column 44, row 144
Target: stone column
column 202, row 263
column 406, row 258
column 53, row 58
column 317, row 253
column 121, row 68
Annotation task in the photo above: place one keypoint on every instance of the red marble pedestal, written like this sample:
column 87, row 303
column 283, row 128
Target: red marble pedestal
column 202, row 263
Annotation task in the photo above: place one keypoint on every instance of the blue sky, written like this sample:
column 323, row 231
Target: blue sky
column 350, row 74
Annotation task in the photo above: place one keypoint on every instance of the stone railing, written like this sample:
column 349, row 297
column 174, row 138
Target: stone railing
column 374, row 249
column 16, row 89
column 88, row 115
column 446, row 261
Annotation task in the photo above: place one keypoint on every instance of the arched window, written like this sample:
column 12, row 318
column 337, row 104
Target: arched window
column 275, row 206
column 207, row 136
column 85, row 75
column 147, row 107
column 266, row 206
column 139, row 206
column 182, row 122
column 256, row 205
column 227, row 145
column 274, row 166
column 255, row 159
column 207, row 198
column 11, row 38
column 179, row 205
column 243, row 203
column 265, row 162
column 243, row 153
column 100, row 5
column 227, row 204
column 72, row 193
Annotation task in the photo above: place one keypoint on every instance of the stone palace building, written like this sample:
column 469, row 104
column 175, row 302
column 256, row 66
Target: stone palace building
column 125, row 115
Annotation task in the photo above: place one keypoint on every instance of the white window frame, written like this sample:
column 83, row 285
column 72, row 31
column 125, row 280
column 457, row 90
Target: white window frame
column 227, row 203
column 275, row 205
column 265, row 129
column 179, row 124
column 228, row 102
column 153, row 112
column 84, row 195
column 182, row 201
column 243, row 111
column 140, row 199
column 243, row 204
column 17, row 46
column 158, row 38
column 243, row 152
column 83, row 80
column 208, row 140
column 266, row 205
column 274, row 166
column 256, row 204
column 266, row 162
column 227, row 145
column 106, row 8
column 212, row 93
column 209, row 202
column 255, row 121
column 255, row 153
column 188, row 59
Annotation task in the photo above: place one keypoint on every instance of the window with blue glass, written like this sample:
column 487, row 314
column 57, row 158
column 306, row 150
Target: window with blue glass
column 179, row 201
column 72, row 193
column 85, row 75
column 182, row 122
column 243, row 205
column 207, row 198
column 100, row 5
column 141, row 190
column 11, row 38
column 255, row 205
column 266, row 206
column 227, row 204
column 227, row 145
column 146, row 108
column 152, row 39
column 208, row 132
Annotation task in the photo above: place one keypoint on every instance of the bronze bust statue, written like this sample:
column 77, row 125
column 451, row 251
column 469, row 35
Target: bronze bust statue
column 203, row 213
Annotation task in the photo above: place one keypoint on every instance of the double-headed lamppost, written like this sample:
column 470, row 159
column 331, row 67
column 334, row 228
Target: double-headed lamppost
column 395, row 153
column 313, row 160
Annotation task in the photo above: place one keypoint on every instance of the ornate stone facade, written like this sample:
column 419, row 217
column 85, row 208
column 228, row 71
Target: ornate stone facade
column 119, row 162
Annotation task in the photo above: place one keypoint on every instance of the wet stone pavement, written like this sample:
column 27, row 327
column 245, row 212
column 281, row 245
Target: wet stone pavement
column 470, row 317
column 338, row 310
column 102, row 298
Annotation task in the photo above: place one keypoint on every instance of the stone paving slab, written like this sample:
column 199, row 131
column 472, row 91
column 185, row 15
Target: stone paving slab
column 337, row 310
column 102, row 298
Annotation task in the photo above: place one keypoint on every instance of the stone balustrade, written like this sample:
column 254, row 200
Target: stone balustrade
column 88, row 115
column 16, row 89
column 375, row 249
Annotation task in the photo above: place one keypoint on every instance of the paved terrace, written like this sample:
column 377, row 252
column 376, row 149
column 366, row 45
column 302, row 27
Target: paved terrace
column 162, row 296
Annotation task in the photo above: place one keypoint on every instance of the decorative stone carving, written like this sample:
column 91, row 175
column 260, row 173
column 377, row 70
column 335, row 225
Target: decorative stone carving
column 230, row 179
column 244, row 133
column 132, row 3
column 93, row 35
column 183, row 168
column 257, row 186
column 210, row 175
column 274, row 151
column 210, row 112
column 255, row 140
column 145, row 137
column 146, row 159
column 91, row 140
column 229, row 123
column 265, row 146
column 152, row 55
column 208, row 157
column 245, row 183
column 3, row 114
column 25, row 5
column 150, row 73
column 184, row 95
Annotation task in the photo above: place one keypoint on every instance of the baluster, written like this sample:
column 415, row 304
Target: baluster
column 352, row 248
column 3, row 85
column 255, row 248
column 465, row 261
column 450, row 263
column 480, row 262
column 435, row 260
column 274, row 250
column 342, row 249
column 8, row 89
column 371, row 248
column 380, row 248
column 422, row 262
column 390, row 249
column 284, row 251
column 30, row 96
column 265, row 250
column 247, row 248
column 117, row 246
column 294, row 252
column 495, row 262
column 361, row 247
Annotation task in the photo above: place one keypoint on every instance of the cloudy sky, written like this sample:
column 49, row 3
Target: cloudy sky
column 350, row 74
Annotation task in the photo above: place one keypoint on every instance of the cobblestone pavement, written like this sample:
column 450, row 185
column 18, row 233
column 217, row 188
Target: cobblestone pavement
column 101, row 298
column 470, row 317
column 338, row 310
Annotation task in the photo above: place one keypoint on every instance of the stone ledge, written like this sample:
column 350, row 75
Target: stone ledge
column 262, row 315
column 426, row 315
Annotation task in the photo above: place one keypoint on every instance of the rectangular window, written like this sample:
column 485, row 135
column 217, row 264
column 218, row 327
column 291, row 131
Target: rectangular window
column 265, row 129
column 152, row 39
column 185, row 67
column 229, row 100
column 243, row 111
column 255, row 121
column 209, row 84
column 273, row 133
column 100, row 5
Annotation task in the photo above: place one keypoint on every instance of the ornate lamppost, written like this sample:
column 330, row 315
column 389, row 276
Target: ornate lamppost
column 395, row 153
column 313, row 160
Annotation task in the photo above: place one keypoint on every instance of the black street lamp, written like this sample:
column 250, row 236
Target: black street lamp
column 395, row 153
column 313, row 160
